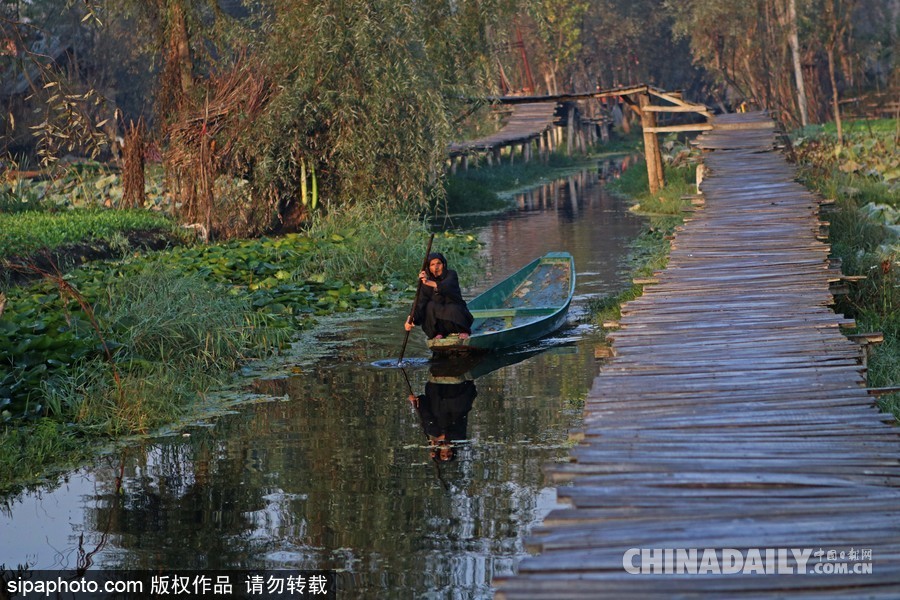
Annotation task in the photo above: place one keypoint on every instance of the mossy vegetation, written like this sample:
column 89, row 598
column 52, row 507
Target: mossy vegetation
column 25, row 233
column 124, row 347
column 650, row 251
column 862, row 176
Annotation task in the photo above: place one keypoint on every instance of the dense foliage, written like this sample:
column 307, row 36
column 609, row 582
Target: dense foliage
column 869, row 151
column 861, row 175
column 278, row 284
column 126, row 346
column 266, row 111
column 25, row 233
column 745, row 47
column 263, row 111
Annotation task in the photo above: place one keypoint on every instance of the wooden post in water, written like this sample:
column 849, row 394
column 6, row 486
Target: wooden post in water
column 652, row 154
column 570, row 129
column 604, row 132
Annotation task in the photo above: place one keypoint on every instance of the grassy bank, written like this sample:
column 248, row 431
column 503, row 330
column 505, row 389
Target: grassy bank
column 650, row 251
column 862, row 175
column 28, row 232
column 65, row 217
column 124, row 347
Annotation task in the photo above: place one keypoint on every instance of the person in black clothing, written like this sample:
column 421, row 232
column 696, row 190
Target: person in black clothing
column 441, row 310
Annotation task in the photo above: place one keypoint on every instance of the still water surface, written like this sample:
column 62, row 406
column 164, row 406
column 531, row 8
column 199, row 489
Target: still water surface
column 330, row 467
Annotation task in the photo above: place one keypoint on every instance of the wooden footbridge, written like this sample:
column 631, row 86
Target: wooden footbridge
column 527, row 124
column 733, row 418
column 533, row 126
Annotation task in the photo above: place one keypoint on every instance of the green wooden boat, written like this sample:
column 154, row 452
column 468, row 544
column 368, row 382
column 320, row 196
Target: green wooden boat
column 525, row 306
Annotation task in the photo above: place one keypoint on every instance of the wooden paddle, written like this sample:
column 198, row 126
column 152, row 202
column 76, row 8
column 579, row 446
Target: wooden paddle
column 416, row 300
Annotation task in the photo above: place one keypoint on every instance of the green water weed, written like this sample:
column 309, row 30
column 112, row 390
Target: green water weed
column 25, row 233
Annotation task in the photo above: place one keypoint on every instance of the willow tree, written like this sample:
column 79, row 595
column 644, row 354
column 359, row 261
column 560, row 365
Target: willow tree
column 342, row 102
column 353, row 101
column 365, row 89
column 49, row 108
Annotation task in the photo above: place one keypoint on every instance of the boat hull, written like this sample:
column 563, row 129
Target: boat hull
column 525, row 306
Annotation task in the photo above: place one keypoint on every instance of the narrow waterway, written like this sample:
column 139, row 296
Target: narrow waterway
column 329, row 467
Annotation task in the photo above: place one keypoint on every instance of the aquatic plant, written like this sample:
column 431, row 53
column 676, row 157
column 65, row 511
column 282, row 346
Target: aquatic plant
column 861, row 177
column 179, row 322
column 27, row 232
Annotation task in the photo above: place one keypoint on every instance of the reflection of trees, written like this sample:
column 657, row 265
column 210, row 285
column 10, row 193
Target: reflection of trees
column 179, row 507
column 590, row 224
column 339, row 477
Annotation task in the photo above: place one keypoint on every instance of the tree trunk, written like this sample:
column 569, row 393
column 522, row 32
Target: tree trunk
column 794, row 41
column 180, row 44
column 835, row 105
column 176, row 77
column 626, row 120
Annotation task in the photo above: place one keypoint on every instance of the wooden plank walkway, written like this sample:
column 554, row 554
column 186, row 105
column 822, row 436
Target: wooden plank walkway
column 734, row 414
column 527, row 122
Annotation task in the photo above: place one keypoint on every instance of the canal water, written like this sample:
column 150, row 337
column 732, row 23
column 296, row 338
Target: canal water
column 329, row 467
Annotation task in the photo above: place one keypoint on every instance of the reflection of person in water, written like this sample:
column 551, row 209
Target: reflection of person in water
column 444, row 411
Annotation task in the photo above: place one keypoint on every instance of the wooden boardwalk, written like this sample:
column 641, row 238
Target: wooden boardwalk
column 734, row 414
column 527, row 122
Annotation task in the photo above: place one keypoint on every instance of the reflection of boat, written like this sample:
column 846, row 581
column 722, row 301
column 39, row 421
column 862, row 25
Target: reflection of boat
column 456, row 369
column 523, row 307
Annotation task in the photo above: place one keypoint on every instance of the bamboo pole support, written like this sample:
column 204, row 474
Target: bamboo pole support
column 655, row 175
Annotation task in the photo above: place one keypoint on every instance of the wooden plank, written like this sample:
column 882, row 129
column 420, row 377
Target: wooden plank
column 678, row 128
column 882, row 391
column 685, row 108
column 676, row 99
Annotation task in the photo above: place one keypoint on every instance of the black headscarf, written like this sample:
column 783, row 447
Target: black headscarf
column 440, row 257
